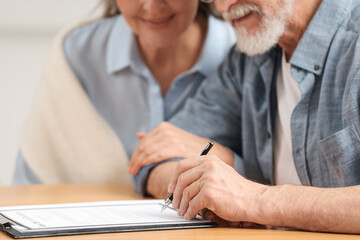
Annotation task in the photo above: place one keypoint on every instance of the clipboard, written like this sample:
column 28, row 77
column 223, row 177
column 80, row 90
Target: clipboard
column 40, row 220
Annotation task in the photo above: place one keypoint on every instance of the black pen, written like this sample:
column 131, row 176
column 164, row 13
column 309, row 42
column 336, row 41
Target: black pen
column 205, row 150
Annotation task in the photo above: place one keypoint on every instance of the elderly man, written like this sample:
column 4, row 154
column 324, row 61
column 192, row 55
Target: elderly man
column 286, row 102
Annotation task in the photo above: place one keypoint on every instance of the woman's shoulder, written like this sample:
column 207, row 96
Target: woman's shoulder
column 221, row 25
column 95, row 33
column 91, row 47
column 222, row 31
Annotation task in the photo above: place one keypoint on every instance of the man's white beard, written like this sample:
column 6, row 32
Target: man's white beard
column 270, row 30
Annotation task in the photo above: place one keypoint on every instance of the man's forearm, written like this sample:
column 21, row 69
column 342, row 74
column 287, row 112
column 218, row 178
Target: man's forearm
column 310, row 208
column 159, row 179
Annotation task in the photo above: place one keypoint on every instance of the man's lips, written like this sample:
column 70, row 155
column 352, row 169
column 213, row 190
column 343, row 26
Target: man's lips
column 240, row 20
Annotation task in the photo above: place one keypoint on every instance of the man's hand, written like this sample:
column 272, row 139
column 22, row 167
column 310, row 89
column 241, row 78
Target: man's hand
column 166, row 142
column 208, row 183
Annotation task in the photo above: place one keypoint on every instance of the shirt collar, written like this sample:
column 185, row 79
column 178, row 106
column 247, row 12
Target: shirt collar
column 122, row 48
column 120, row 45
column 313, row 47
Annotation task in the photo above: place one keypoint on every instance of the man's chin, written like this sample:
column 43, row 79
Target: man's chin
column 261, row 41
column 254, row 48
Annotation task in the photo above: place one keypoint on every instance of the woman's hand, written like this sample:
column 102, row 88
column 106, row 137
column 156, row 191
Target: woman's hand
column 167, row 142
column 164, row 142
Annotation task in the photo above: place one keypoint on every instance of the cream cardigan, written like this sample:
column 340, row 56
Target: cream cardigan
column 64, row 139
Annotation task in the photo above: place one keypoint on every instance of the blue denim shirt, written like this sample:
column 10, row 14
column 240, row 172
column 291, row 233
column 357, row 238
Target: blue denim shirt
column 237, row 106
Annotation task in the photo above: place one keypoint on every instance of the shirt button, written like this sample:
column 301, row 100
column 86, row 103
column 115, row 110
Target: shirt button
column 317, row 67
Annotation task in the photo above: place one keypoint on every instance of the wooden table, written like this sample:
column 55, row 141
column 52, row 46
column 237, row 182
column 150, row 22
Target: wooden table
column 39, row 194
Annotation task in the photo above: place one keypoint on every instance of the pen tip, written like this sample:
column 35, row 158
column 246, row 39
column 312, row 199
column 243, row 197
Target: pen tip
column 163, row 208
column 166, row 204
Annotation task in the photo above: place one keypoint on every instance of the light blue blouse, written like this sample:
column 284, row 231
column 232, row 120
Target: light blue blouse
column 106, row 60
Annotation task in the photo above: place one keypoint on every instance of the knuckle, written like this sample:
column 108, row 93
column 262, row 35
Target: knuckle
column 211, row 178
column 168, row 135
column 164, row 125
column 181, row 179
column 186, row 194
column 148, row 151
column 182, row 148
column 140, row 148
column 211, row 164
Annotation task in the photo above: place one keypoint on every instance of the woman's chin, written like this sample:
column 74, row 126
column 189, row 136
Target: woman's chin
column 159, row 42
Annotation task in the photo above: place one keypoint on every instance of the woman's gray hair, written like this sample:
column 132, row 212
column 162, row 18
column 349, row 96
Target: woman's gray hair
column 111, row 9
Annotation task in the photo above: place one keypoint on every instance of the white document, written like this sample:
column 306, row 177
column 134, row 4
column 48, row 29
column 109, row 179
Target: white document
column 90, row 215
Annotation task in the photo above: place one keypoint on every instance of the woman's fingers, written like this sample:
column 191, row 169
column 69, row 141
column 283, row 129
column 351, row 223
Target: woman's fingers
column 156, row 152
column 142, row 156
column 164, row 142
column 146, row 145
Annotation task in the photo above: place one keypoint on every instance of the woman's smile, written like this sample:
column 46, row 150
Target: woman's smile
column 157, row 23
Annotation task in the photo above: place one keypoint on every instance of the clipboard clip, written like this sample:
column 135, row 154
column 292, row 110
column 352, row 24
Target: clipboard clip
column 5, row 226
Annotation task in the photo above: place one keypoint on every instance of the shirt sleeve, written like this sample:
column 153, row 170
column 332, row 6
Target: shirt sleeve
column 140, row 179
column 23, row 175
column 214, row 113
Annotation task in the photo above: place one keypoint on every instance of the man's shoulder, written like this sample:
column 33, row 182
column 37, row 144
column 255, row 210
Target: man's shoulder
column 353, row 18
column 352, row 27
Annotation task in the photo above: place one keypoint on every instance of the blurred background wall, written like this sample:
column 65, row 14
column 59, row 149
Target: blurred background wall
column 27, row 28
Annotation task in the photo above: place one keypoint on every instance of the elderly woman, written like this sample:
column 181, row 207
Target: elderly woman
column 108, row 79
